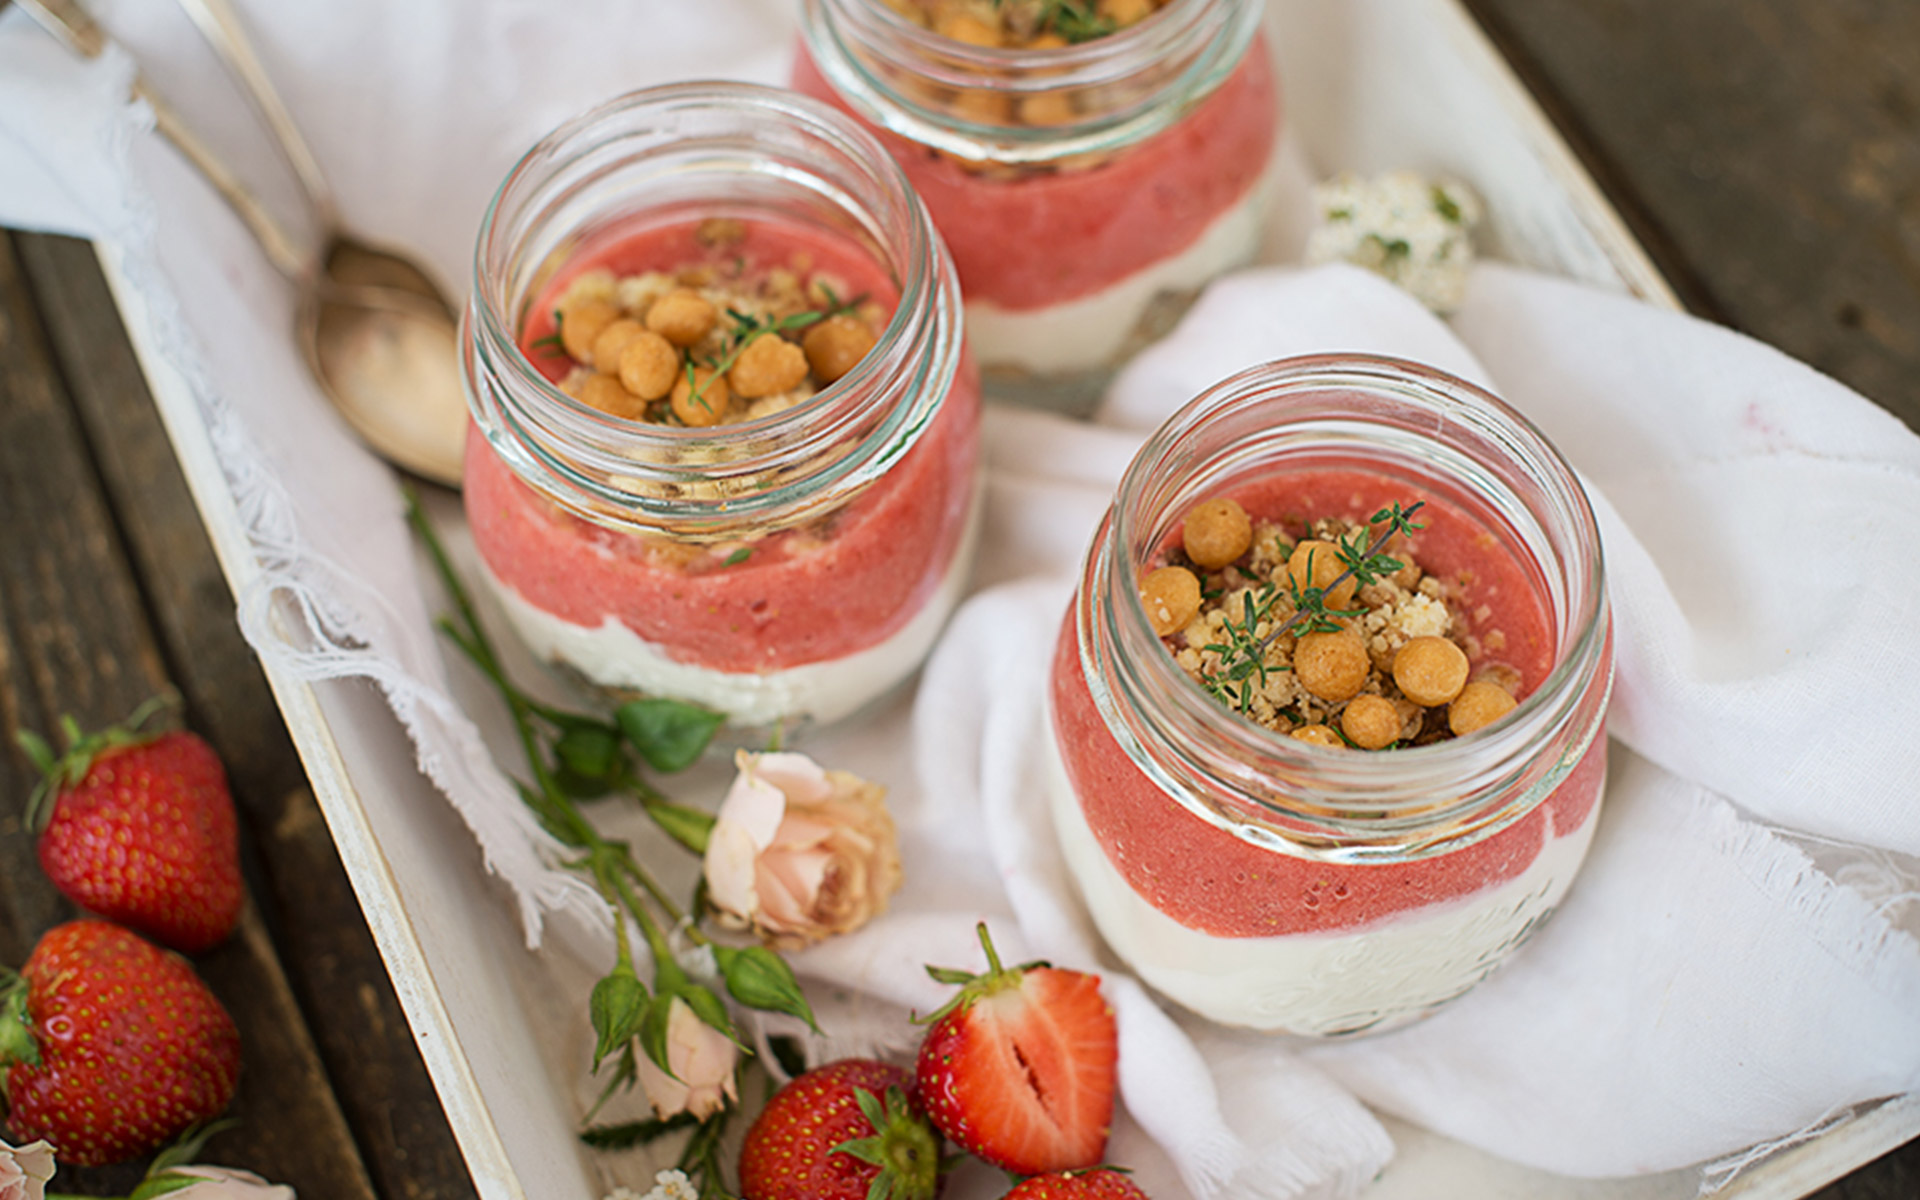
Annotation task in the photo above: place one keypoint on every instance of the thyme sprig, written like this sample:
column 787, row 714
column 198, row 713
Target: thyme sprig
column 748, row 326
column 1243, row 655
column 553, row 343
column 1074, row 20
column 571, row 757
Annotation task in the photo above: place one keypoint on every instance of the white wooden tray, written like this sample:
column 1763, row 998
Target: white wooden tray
column 1369, row 85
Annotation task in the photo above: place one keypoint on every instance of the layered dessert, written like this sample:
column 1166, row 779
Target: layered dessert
column 1071, row 261
column 1359, row 619
column 707, row 326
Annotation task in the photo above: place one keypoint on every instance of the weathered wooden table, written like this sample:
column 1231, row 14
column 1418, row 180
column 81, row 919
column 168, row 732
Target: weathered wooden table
column 1767, row 152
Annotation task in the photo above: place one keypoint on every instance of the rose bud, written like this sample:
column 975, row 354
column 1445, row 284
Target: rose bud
column 702, row 1060
column 799, row 853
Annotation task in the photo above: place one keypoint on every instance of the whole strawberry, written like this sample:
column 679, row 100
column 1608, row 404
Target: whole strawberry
column 1018, row 1069
column 1101, row 1183
column 112, row 1046
column 140, row 829
column 845, row 1131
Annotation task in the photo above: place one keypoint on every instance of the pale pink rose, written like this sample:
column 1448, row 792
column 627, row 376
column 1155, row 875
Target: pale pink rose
column 24, row 1170
column 225, row 1183
column 702, row 1058
column 798, row 853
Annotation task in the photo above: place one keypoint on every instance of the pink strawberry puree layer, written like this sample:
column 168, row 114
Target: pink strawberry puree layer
column 1055, row 236
column 806, row 596
column 1215, row 883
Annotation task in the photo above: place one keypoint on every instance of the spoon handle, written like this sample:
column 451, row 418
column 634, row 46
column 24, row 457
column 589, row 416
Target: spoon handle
column 69, row 23
column 220, row 25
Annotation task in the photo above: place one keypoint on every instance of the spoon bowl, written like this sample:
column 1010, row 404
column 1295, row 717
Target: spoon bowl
column 381, row 341
column 377, row 334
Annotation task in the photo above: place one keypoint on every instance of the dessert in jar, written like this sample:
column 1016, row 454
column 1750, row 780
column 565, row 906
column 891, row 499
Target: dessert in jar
column 1092, row 163
column 1329, row 703
column 725, row 430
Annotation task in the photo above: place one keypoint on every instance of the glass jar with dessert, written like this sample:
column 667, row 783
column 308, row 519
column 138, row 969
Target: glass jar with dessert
column 1329, row 704
column 1092, row 163
column 725, row 427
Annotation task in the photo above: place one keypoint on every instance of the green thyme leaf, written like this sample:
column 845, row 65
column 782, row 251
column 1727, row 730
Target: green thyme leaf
column 552, row 343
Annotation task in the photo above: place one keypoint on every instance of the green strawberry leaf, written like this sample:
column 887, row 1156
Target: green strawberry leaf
column 186, row 1148
column 669, row 734
column 759, row 978
column 37, row 751
column 16, row 1027
column 902, row 1145
column 160, row 1185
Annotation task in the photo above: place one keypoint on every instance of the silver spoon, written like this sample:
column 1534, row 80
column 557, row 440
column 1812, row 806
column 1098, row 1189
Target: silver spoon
column 377, row 334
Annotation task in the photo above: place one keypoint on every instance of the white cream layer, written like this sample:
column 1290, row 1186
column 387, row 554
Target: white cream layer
column 1091, row 331
column 614, row 656
column 1316, row 984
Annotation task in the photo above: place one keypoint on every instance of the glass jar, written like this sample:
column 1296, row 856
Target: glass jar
column 1268, row 883
column 1087, row 191
column 781, row 569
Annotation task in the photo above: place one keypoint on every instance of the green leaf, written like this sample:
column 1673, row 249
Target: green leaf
column 161, row 1185
column 37, row 751
column 1444, row 205
column 759, row 978
column 590, row 751
column 739, row 556
column 580, row 787
column 669, row 734
column 618, row 1004
column 710, row 1009
column 635, row 1133
column 653, row 1030
column 16, row 1027
column 187, row 1147
column 688, row 826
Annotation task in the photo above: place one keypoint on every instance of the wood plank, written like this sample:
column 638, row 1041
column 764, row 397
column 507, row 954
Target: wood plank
column 1767, row 153
column 78, row 640
column 335, row 970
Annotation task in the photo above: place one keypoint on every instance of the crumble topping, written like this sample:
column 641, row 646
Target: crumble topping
column 713, row 343
column 1331, row 632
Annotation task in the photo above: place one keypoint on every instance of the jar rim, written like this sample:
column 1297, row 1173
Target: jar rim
column 886, row 400
column 1185, row 49
column 1407, row 802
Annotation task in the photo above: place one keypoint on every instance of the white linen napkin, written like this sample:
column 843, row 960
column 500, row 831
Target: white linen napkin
column 1704, row 987
column 1708, row 985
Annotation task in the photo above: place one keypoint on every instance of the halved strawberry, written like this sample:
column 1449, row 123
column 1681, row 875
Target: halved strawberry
column 1102, row 1183
column 1018, row 1069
